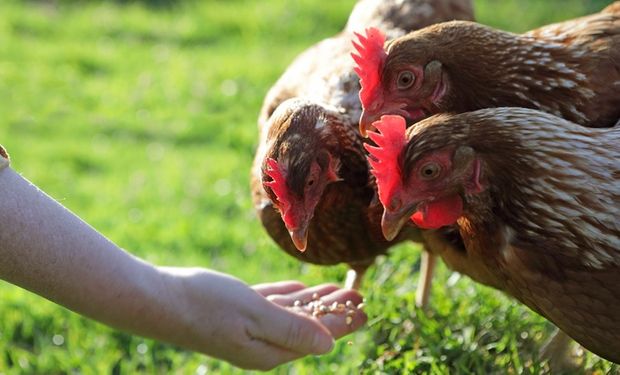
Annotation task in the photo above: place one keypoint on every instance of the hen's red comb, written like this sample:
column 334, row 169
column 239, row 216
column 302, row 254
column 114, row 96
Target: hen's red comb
column 369, row 59
column 390, row 140
column 278, row 185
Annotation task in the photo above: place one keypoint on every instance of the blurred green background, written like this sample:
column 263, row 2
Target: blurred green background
column 140, row 116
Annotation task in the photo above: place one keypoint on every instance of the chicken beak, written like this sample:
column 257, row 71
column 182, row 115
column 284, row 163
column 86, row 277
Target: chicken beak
column 393, row 221
column 300, row 237
column 366, row 121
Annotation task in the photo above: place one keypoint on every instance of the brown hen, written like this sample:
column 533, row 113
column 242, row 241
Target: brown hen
column 535, row 198
column 310, row 181
column 570, row 69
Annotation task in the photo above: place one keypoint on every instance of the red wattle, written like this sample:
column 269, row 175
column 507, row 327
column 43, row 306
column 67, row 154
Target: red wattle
column 439, row 213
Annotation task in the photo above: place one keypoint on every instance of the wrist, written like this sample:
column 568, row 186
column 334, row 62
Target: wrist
column 163, row 311
column 215, row 311
column 188, row 307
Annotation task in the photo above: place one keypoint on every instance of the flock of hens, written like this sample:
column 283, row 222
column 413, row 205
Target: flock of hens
column 496, row 151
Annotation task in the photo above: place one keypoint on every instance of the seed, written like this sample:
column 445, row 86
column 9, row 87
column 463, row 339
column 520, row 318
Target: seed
column 334, row 306
column 361, row 306
column 349, row 320
column 297, row 303
column 350, row 312
column 349, row 304
column 315, row 296
column 324, row 309
column 340, row 308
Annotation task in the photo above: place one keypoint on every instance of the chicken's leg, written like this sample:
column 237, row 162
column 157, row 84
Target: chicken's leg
column 559, row 352
column 354, row 277
column 427, row 268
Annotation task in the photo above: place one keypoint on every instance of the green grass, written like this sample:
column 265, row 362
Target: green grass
column 141, row 119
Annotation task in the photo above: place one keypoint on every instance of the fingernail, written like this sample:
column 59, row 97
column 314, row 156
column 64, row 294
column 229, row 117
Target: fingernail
column 323, row 343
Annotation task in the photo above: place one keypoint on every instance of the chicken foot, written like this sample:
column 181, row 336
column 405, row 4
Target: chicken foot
column 427, row 268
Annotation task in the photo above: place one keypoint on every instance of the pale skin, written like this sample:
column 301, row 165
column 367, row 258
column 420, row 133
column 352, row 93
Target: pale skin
column 50, row 251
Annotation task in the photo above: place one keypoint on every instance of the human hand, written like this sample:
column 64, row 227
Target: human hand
column 257, row 328
column 50, row 251
column 289, row 294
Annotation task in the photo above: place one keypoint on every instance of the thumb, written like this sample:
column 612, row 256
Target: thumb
column 293, row 331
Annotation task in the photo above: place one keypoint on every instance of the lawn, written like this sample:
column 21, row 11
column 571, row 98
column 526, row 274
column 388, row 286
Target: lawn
column 141, row 119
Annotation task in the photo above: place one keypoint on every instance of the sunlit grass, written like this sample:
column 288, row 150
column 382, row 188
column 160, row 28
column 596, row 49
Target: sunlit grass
column 142, row 120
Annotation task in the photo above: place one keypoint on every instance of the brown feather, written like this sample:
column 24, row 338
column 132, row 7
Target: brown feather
column 547, row 228
column 346, row 224
column 570, row 69
column 320, row 87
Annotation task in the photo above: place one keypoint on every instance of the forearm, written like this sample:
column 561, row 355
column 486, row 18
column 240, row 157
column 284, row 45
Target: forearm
column 50, row 251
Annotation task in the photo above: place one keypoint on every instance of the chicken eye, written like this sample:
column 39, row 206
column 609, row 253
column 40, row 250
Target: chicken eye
column 405, row 80
column 313, row 176
column 430, row 171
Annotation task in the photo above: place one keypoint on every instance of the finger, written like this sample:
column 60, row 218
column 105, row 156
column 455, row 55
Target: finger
column 341, row 323
column 264, row 356
column 338, row 296
column 292, row 331
column 282, row 300
column 303, row 295
column 308, row 294
column 281, row 287
column 342, row 296
column 339, row 326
